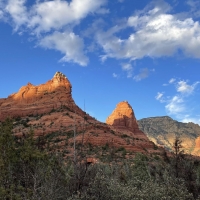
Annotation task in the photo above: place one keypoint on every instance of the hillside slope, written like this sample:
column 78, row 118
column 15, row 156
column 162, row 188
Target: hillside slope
column 163, row 130
column 50, row 111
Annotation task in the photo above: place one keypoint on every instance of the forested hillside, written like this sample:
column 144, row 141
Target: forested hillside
column 29, row 171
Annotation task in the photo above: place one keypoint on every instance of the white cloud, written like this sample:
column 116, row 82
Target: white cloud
column 156, row 33
column 51, row 15
column 109, row 42
column 172, row 80
column 194, row 7
column 1, row 14
column 187, row 119
column 17, row 11
column 185, row 88
column 103, row 58
column 43, row 18
column 56, row 14
column 180, row 104
column 1, row 9
column 128, row 68
column 175, row 106
column 159, row 96
column 144, row 73
column 69, row 44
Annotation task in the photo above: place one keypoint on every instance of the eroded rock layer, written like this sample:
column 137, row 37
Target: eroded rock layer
column 33, row 100
column 50, row 111
column 123, row 118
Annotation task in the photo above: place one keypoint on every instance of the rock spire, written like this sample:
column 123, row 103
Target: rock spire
column 123, row 116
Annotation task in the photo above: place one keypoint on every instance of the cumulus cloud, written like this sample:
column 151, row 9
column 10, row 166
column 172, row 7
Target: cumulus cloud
column 185, row 88
column 17, row 11
column 144, row 73
column 51, row 15
column 155, row 33
column 69, row 44
column 111, row 44
column 152, row 32
column 48, row 21
column 56, row 14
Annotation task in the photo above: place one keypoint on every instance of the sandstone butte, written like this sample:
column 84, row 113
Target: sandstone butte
column 50, row 110
column 123, row 118
column 35, row 100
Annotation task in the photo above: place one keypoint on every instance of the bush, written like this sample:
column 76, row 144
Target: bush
column 29, row 173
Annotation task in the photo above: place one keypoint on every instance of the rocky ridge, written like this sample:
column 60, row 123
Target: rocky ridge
column 163, row 130
column 36, row 100
column 50, row 111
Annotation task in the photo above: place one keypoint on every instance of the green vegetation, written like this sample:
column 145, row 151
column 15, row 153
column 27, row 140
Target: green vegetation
column 29, row 172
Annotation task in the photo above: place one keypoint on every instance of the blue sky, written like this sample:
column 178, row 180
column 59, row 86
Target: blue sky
column 145, row 52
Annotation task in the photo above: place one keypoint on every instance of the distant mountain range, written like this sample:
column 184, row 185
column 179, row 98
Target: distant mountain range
column 163, row 130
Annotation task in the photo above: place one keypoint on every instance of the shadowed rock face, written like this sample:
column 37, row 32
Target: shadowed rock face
column 39, row 99
column 123, row 118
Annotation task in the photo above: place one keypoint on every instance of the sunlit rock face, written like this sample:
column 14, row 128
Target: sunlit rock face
column 39, row 99
column 163, row 131
column 196, row 150
column 49, row 110
column 123, row 118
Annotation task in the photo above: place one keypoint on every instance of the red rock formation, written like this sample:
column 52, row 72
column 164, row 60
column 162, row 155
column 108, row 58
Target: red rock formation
column 32, row 100
column 123, row 118
column 56, row 94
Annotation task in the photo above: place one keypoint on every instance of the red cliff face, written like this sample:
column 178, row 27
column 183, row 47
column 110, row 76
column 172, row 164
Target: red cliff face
column 39, row 99
column 123, row 118
column 50, row 111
